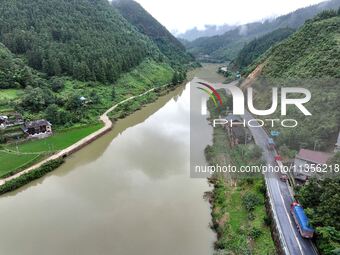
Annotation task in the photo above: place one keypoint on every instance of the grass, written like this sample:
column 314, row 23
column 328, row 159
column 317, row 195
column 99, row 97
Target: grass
column 9, row 94
column 30, row 176
column 60, row 140
column 231, row 220
column 233, row 223
column 10, row 162
column 32, row 151
column 147, row 75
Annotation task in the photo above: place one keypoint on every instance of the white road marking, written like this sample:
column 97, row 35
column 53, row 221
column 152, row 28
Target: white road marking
column 290, row 221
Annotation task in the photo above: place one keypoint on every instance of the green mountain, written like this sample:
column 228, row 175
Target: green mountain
column 149, row 26
column 314, row 51
column 310, row 58
column 252, row 50
column 227, row 46
column 54, row 52
column 85, row 39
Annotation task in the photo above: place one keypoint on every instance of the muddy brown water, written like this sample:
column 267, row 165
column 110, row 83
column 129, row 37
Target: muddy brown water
column 127, row 193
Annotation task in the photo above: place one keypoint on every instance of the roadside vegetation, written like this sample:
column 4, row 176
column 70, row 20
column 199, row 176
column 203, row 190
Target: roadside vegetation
column 238, row 201
column 321, row 201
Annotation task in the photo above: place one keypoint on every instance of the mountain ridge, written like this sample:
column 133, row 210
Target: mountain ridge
column 149, row 26
column 226, row 47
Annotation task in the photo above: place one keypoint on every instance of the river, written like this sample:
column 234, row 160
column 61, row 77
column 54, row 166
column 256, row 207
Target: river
column 128, row 193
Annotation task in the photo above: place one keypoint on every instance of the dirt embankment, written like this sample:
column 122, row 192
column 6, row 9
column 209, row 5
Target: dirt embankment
column 252, row 76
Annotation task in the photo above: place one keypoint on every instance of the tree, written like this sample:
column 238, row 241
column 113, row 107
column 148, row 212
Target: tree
column 52, row 114
column 335, row 159
column 57, row 85
column 73, row 102
column 113, row 93
column 175, row 78
column 36, row 99
column 320, row 199
column 250, row 201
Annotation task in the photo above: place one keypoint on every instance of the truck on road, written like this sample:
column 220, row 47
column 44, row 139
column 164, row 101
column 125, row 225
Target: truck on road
column 271, row 144
column 301, row 220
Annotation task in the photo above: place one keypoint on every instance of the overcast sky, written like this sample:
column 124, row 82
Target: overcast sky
column 180, row 15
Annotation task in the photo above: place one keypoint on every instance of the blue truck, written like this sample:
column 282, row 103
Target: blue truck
column 301, row 220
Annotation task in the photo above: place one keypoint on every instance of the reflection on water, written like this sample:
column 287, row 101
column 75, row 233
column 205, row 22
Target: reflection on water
column 127, row 193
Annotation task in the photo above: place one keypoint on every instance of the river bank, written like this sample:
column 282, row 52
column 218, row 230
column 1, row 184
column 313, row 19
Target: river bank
column 118, row 111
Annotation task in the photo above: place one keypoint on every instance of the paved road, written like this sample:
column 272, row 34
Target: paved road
column 281, row 200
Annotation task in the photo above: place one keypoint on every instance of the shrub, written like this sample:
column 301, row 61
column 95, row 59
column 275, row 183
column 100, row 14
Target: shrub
column 30, row 176
column 255, row 233
column 251, row 216
column 250, row 201
column 267, row 220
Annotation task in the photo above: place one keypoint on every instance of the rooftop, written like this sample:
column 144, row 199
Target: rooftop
column 37, row 123
column 316, row 157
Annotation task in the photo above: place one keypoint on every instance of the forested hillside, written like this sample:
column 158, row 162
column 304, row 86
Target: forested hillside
column 252, row 50
column 55, row 52
column 146, row 24
column 13, row 71
column 309, row 58
column 311, row 52
column 85, row 39
column 226, row 47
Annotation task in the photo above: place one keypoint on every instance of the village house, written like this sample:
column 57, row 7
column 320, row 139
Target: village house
column 337, row 145
column 305, row 160
column 38, row 129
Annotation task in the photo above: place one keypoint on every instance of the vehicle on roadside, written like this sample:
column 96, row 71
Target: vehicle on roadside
column 278, row 158
column 271, row 144
column 301, row 220
column 284, row 177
